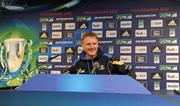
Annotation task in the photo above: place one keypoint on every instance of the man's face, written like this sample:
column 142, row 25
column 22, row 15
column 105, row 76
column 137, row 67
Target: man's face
column 90, row 46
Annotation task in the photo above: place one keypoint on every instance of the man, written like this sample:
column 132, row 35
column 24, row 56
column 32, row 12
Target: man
column 94, row 61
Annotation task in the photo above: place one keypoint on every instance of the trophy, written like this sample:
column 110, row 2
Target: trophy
column 15, row 58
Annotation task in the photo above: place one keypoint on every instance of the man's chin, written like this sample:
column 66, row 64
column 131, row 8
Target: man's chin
column 93, row 55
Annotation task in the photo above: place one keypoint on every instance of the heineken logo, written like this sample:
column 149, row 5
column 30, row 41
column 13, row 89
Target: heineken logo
column 168, row 67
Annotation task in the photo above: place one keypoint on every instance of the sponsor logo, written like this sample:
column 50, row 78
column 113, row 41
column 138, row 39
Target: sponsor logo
column 126, row 58
column 105, row 42
column 140, row 49
column 111, row 24
column 46, row 19
column 125, row 49
column 69, row 34
column 168, row 67
column 126, row 24
column 69, row 58
column 64, row 42
column 172, row 86
column 156, row 23
column 141, row 59
column 83, row 25
column 45, row 66
column 156, row 49
column 156, row 32
column 69, row 50
column 65, row 19
column 56, row 26
column 172, row 49
column 43, row 72
column 56, row 59
column 145, row 15
column 103, row 17
column 55, row 72
column 172, row 32
column 157, row 76
column 123, row 16
column 168, row 14
column 156, row 59
column 70, row 26
column 141, row 33
column 172, row 76
column 97, row 25
column 111, row 49
column 172, row 22
column 83, row 18
column 111, row 33
column 42, row 58
column 168, row 41
column 56, row 35
column 145, row 67
column 99, row 33
column 56, row 50
column 45, row 43
column 123, row 41
column 44, row 26
column 145, row 41
column 140, row 23
column 141, row 75
column 43, row 35
column 61, row 66
column 80, row 49
column 78, row 42
column 43, row 50
column 172, row 59
column 126, row 33
column 157, row 85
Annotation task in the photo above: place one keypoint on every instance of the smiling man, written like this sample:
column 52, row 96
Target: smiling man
column 94, row 61
column 90, row 45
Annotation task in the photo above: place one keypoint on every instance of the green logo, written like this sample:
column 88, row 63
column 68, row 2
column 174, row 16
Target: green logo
column 123, row 41
column 123, row 16
column 168, row 41
column 168, row 67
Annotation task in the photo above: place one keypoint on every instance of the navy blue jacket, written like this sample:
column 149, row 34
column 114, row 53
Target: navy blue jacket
column 85, row 66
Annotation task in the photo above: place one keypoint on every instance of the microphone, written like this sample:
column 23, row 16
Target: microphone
column 80, row 71
column 95, row 67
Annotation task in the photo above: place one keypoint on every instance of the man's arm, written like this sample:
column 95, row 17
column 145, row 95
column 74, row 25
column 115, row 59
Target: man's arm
column 120, row 68
column 71, row 70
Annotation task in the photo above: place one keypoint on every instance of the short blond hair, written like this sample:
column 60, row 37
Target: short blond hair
column 89, row 34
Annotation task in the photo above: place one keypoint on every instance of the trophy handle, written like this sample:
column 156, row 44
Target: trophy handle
column 25, row 71
column 1, row 55
column 3, row 62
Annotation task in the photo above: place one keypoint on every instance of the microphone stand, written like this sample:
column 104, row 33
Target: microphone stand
column 42, row 63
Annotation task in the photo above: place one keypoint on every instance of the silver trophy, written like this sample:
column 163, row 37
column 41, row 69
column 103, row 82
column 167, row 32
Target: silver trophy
column 15, row 57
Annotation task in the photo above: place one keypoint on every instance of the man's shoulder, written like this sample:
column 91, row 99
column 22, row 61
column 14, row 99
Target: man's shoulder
column 107, row 55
